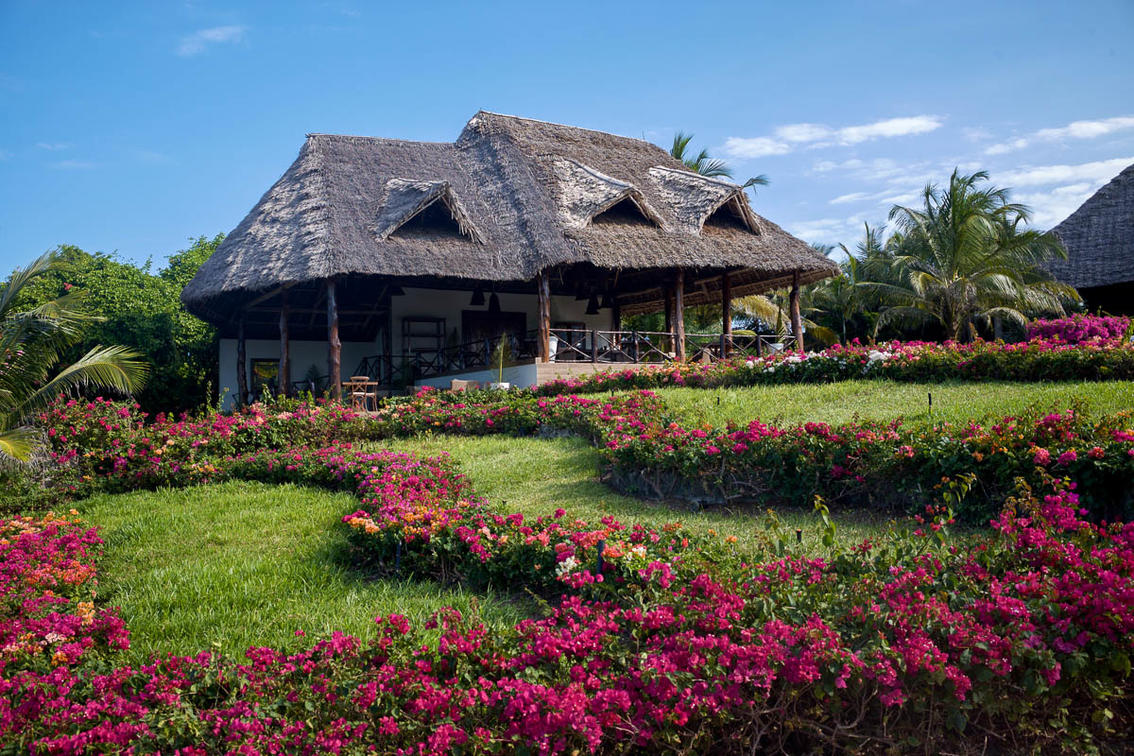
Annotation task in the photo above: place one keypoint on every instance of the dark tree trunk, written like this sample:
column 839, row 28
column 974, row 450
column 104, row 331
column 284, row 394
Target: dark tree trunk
column 285, row 356
column 241, row 364
column 543, row 286
column 679, row 315
column 796, row 320
column 334, row 345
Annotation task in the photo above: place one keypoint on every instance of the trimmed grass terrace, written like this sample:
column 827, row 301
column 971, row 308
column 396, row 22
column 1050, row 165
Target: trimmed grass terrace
column 534, row 476
column 247, row 564
column 842, row 402
column 243, row 564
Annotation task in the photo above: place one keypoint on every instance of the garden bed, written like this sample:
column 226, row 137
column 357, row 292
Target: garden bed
column 655, row 636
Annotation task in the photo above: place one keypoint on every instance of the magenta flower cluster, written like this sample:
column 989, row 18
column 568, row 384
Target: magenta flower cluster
column 655, row 639
column 1045, row 358
column 1027, row 624
column 1081, row 329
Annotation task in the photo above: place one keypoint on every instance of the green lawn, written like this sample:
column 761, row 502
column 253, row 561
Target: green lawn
column 885, row 400
column 534, row 476
column 244, row 564
column 240, row 564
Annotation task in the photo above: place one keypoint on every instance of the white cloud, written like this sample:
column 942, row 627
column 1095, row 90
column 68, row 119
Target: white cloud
column 195, row 43
column 52, row 146
column 804, row 132
column 754, row 147
column 892, row 127
column 1051, row 207
column 1088, row 129
column 976, row 133
column 815, row 135
column 828, row 230
column 843, row 199
column 1098, row 172
column 1073, row 130
column 1010, row 146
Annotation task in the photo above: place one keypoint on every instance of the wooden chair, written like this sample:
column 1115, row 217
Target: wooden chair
column 361, row 396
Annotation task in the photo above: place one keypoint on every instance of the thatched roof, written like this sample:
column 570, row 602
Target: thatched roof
column 1099, row 237
column 521, row 196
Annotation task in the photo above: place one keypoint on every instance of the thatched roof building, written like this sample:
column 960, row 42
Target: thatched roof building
column 1099, row 238
column 513, row 206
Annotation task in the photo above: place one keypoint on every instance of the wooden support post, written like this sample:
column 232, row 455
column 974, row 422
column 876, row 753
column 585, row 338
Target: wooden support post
column 334, row 345
column 726, row 315
column 679, row 314
column 796, row 320
column 241, row 364
column 386, row 373
column 543, row 286
column 285, row 356
column 668, row 316
column 615, row 317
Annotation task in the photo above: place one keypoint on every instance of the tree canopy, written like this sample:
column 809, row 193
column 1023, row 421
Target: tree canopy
column 141, row 310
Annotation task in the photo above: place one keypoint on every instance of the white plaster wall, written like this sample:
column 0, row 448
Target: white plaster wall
column 520, row 376
column 448, row 304
column 304, row 354
column 417, row 302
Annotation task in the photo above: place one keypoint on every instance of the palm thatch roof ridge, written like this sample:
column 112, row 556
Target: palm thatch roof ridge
column 1099, row 237
column 523, row 196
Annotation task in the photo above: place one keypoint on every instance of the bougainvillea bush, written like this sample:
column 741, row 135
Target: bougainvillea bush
column 1019, row 639
column 1080, row 329
column 861, row 463
column 1042, row 359
column 1014, row 637
column 107, row 446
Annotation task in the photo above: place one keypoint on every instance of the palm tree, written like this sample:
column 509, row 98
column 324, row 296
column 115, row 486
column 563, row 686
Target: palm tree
column 33, row 342
column 964, row 258
column 772, row 310
column 848, row 302
column 708, row 166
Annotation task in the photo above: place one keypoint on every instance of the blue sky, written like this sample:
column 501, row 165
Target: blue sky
column 134, row 126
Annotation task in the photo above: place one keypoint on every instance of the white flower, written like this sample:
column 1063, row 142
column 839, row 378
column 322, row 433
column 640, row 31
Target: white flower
column 567, row 565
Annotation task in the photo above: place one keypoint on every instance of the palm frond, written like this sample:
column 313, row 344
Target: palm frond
column 115, row 368
column 18, row 443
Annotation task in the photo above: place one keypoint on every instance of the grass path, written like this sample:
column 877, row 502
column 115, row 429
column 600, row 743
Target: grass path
column 243, row 564
column 886, row 400
column 535, row 476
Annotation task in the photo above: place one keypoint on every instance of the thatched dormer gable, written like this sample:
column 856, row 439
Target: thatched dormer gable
column 407, row 200
column 583, row 194
column 1099, row 237
column 524, row 196
column 695, row 198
